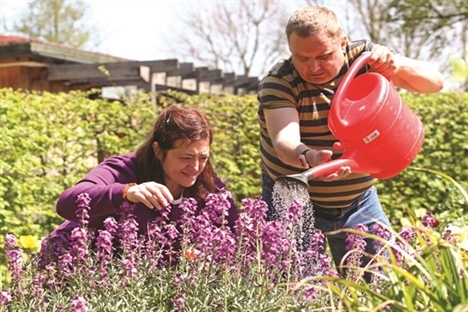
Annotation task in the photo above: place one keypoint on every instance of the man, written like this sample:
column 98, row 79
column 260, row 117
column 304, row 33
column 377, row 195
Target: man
column 294, row 101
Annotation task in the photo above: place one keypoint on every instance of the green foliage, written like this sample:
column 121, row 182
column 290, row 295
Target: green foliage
column 50, row 141
column 235, row 148
column 459, row 72
column 426, row 274
column 422, row 25
column 459, row 68
column 59, row 21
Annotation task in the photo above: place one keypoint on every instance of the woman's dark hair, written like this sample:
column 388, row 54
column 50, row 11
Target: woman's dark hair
column 174, row 123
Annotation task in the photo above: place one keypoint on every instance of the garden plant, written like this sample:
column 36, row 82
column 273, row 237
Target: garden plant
column 255, row 267
column 49, row 141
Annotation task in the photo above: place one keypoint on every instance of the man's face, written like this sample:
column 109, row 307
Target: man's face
column 317, row 58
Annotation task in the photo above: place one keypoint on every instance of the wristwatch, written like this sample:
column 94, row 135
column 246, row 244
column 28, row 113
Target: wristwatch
column 303, row 159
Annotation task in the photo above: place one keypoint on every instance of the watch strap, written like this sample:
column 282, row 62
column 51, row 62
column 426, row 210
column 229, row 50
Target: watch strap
column 303, row 159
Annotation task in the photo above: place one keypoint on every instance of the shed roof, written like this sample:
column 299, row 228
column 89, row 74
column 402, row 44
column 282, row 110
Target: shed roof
column 42, row 51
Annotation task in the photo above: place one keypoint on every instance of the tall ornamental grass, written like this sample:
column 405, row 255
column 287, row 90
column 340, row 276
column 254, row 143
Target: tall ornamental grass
column 200, row 264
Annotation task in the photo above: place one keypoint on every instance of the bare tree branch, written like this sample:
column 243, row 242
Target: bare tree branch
column 242, row 36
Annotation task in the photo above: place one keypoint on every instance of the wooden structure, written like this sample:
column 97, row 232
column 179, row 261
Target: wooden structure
column 32, row 64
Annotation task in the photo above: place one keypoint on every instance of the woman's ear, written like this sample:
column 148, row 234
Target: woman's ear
column 157, row 150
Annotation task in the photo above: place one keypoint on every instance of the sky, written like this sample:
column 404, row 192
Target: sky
column 133, row 29
column 126, row 28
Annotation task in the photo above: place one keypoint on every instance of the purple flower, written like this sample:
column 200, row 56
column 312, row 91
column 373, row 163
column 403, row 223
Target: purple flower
column 256, row 208
column 429, row 220
column 356, row 245
column 172, row 232
column 110, row 225
column 400, row 248
column 65, row 263
column 384, row 233
column 128, row 235
column 316, row 262
column 448, row 236
column 53, row 248
column 156, row 235
column 217, row 206
column 294, row 213
column 82, row 211
column 179, row 301
column 128, row 227
column 5, row 297
column 189, row 209
column 79, row 244
column 126, row 208
column 78, row 304
column 130, row 266
column 217, row 244
column 38, row 282
column 104, row 249
column 249, row 229
column 14, row 258
column 276, row 245
column 310, row 292
column 407, row 234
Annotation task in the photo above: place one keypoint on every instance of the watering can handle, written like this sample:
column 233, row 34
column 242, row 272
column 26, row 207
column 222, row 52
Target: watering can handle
column 358, row 63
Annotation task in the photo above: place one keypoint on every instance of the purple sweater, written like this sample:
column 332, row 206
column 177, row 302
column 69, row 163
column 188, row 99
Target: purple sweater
column 104, row 184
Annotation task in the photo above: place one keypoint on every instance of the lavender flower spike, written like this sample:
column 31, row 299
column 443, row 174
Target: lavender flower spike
column 82, row 212
column 15, row 258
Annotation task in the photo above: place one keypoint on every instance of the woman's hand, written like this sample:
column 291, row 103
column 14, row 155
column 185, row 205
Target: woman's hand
column 152, row 194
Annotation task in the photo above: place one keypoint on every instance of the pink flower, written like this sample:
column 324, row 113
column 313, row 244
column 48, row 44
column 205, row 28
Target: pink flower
column 14, row 258
column 78, row 304
column 5, row 297
column 429, row 220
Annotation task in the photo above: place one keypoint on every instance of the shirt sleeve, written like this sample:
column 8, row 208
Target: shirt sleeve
column 103, row 184
column 275, row 92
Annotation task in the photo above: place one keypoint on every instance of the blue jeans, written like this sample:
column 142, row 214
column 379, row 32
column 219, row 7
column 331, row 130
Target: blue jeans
column 365, row 210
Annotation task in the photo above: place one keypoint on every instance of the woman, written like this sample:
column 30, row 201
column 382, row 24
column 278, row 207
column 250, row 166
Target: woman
column 171, row 164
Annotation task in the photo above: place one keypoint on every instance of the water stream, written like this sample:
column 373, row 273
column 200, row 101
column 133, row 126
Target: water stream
column 284, row 193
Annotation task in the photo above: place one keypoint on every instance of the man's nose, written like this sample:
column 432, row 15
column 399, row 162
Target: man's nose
column 313, row 65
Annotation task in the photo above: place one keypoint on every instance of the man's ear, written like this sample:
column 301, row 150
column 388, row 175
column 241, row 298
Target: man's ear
column 343, row 42
column 157, row 150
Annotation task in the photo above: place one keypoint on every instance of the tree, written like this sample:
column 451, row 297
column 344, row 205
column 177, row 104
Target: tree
column 241, row 36
column 61, row 21
column 430, row 30
column 435, row 24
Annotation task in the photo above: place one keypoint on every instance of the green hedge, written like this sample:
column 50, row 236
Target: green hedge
column 49, row 141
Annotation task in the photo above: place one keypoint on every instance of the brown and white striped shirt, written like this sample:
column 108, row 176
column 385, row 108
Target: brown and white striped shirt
column 283, row 87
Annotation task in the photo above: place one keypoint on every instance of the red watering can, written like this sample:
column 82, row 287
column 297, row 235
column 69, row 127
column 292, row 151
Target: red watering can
column 378, row 132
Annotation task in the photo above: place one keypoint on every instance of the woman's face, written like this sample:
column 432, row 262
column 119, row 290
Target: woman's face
column 318, row 58
column 183, row 164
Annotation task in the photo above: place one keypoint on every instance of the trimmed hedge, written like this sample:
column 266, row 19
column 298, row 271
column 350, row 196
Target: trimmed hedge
column 50, row 141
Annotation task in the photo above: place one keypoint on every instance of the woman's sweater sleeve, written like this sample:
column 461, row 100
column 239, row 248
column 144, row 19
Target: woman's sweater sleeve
column 103, row 184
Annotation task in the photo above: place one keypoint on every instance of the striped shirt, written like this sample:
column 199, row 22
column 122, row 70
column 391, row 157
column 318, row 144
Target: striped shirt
column 283, row 87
